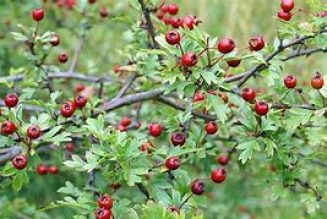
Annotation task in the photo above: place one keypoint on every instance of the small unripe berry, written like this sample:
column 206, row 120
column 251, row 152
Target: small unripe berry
column 20, row 162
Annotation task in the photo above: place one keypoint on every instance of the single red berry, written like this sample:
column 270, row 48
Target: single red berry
column 189, row 22
column 41, row 169
column 234, row 63
column 211, row 127
column 7, row 128
column 286, row 16
column 38, row 14
column 122, row 128
column 256, row 43
column 287, row 5
column 261, row 108
column 80, row 101
column 103, row 12
column 53, row 170
column 115, row 186
column 11, row 100
column 189, row 59
column 20, row 162
column 226, row 45
column 68, row 109
column 223, row 159
column 70, row 147
column 198, row 96
column 164, row 8
column 197, row 187
column 34, row 132
column 218, row 175
column 248, row 94
column 155, row 129
column 126, row 121
column 92, row 1
column 175, row 22
column 173, row 163
column 63, row 57
column 173, row 9
column 290, row 81
column 55, row 40
column 322, row 14
column 317, row 81
column 178, row 138
column 105, row 202
column 173, row 37
column 79, row 88
column 160, row 15
column 102, row 213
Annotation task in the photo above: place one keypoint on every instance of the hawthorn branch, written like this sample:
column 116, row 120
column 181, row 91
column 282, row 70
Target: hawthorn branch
column 306, row 185
column 306, row 52
column 144, row 191
column 126, row 86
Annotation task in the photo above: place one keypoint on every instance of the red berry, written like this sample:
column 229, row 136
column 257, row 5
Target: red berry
column 211, row 128
column 189, row 59
column 173, row 163
column 189, row 22
column 317, row 81
column 122, row 128
column 68, row 109
column 103, row 12
column 7, row 128
column 287, row 5
column 218, row 175
column 173, row 9
column 63, row 57
column 248, row 94
column 41, row 169
column 33, row 132
column 198, row 96
column 102, row 213
column 178, row 138
column 55, row 40
column 290, row 81
column 70, row 147
column 146, row 147
column 79, row 88
column 80, row 101
column 115, row 186
column 286, row 16
column 234, row 63
column 126, row 121
column 257, row 43
column 20, row 162
column 261, row 108
column 322, row 14
column 197, row 187
column 223, row 159
column 11, row 100
column 226, row 45
column 173, row 37
column 53, row 170
column 164, row 8
column 38, row 14
column 92, row 1
column 105, row 202
column 155, row 129
column 175, row 22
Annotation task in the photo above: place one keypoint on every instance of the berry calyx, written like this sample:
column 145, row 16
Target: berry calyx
column 68, row 109
column 287, row 5
column 38, row 14
column 105, row 202
column 223, row 159
column 102, row 213
column 126, row 121
column 41, row 169
column 257, row 43
column 290, row 81
column 211, row 127
column 7, row 128
column 53, row 170
column 317, row 81
column 218, row 175
column 63, row 58
column 173, row 9
column 11, row 100
column 189, row 59
column 173, row 163
column 55, row 40
column 70, row 147
column 34, row 132
column 197, row 187
column 261, row 108
column 234, row 63
column 226, row 45
column 155, row 129
column 248, row 94
column 286, row 16
column 80, row 101
column 20, row 162
column 173, row 37
column 178, row 138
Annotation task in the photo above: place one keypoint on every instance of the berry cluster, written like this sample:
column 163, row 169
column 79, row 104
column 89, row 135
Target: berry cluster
column 105, row 204
column 285, row 11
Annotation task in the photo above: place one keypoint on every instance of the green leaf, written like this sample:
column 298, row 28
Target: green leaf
column 248, row 148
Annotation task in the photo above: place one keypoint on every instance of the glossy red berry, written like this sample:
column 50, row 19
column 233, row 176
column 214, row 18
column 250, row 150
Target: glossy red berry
column 197, row 187
column 34, row 132
column 41, row 169
column 189, row 21
column 189, row 59
column 317, row 81
column 102, row 213
column 53, row 170
column 211, row 128
column 80, row 101
column 7, row 128
column 286, row 16
column 290, row 81
column 198, row 96
column 261, row 108
column 173, row 9
column 287, row 5
column 223, row 159
column 70, row 147
column 226, row 45
column 105, row 202
column 173, row 163
column 38, row 14
column 20, row 162
column 68, row 109
column 218, row 175
column 248, row 94
column 103, row 12
column 11, row 100
column 178, row 138
column 63, row 57
column 126, row 121
column 173, row 37
column 257, row 43
column 234, row 63
column 155, row 129
column 55, row 40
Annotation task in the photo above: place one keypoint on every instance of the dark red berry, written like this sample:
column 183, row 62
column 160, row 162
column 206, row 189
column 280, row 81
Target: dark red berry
column 38, row 14
column 92, row 1
column 286, row 16
column 218, row 175
column 197, row 187
column 290, row 81
column 198, row 96
column 223, row 159
column 55, row 40
column 287, row 5
column 11, row 100
column 126, row 121
column 164, row 8
column 178, row 138
column 257, row 43
column 322, row 14
column 102, row 213
column 122, row 128
column 63, row 57
column 234, row 63
column 68, row 109
column 189, row 59
column 103, row 12
column 80, row 101
column 7, row 128
column 173, row 9
column 34, row 132
column 70, row 147
column 41, row 169
column 20, row 162
column 79, row 88
column 189, row 21
column 226, row 45
column 173, row 163
column 317, row 81
column 175, row 22
column 105, row 202
column 173, row 37
column 248, row 94
column 261, row 108
column 155, row 129
column 53, row 170
column 211, row 128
